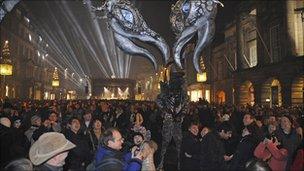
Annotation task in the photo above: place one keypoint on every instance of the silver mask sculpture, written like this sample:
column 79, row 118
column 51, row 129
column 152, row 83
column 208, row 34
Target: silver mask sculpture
column 128, row 25
column 6, row 6
column 189, row 17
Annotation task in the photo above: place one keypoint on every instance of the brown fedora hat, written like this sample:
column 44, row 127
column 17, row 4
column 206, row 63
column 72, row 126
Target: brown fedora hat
column 47, row 146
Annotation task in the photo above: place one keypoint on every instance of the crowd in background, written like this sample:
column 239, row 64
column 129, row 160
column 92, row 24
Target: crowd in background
column 216, row 137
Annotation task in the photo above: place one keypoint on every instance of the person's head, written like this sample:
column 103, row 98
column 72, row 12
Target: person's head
column 272, row 119
column 87, row 115
column 74, row 124
column 97, row 124
column 17, row 123
column 225, row 130
column 205, row 131
column 272, row 128
column 286, row 123
column 36, row 120
column 45, row 118
column 59, row 159
column 5, row 122
column 193, row 128
column 53, row 117
column 138, row 138
column 112, row 138
column 259, row 121
column 19, row 165
column 52, row 148
column 248, row 119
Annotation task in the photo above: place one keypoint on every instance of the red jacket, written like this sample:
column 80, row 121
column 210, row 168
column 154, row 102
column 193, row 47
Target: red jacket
column 298, row 162
column 278, row 157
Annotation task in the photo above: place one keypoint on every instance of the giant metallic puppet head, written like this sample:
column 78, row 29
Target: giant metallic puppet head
column 128, row 25
column 189, row 17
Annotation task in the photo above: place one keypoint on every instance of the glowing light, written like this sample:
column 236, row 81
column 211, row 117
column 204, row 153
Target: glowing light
column 6, row 69
column 201, row 77
column 6, row 91
column 38, row 53
column 30, row 37
column 66, row 73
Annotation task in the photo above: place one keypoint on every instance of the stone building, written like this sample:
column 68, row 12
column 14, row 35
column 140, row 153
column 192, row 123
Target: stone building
column 261, row 59
column 30, row 55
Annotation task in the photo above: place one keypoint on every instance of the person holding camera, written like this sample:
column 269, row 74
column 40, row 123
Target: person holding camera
column 271, row 151
column 109, row 156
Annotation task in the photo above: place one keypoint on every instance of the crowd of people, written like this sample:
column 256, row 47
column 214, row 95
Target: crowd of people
column 126, row 135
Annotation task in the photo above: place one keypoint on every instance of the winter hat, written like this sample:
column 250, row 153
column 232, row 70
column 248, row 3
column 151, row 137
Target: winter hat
column 34, row 118
column 47, row 146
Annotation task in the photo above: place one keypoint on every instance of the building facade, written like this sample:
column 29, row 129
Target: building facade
column 30, row 54
column 261, row 59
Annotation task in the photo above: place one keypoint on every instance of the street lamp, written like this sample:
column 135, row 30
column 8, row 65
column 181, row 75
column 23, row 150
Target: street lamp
column 6, row 67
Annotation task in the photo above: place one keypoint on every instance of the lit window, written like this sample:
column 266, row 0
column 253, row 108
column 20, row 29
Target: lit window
column 195, row 95
column 207, row 95
column 253, row 53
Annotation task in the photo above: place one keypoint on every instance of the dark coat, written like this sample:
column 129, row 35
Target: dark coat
column 41, row 130
column 6, row 141
column 212, row 153
column 80, row 156
column 110, row 159
column 94, row 142
column 289, row 141
column 243, row 153
column 191, row 146
column 13, row 145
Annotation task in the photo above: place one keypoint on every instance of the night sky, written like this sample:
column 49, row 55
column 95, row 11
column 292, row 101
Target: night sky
column 155, row 12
